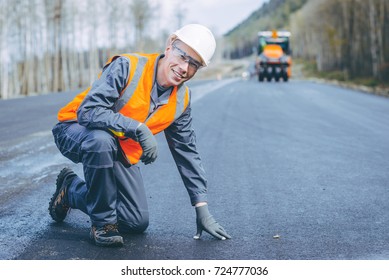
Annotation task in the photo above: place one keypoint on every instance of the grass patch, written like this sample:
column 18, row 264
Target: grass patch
column 309, row 69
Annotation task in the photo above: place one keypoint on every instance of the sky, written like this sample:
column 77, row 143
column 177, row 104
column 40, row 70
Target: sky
column 219, row 15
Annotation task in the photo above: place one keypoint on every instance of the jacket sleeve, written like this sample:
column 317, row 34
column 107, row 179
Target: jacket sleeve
column 96, row 110
column 181, row 139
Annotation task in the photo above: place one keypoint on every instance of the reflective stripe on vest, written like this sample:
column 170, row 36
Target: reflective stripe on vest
column 134, row 102
column 137, row 98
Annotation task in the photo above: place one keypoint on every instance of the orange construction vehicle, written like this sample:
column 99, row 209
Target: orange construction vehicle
column 274, row 56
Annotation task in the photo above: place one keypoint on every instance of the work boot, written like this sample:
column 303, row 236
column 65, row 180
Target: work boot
column 59, row 204
column 107, row 235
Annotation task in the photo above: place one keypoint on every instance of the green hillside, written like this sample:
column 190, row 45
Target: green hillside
column 274, row 14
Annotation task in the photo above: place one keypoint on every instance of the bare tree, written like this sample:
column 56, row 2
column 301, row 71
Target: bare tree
column 373, row 38
column 4, row 56
column 141, row 12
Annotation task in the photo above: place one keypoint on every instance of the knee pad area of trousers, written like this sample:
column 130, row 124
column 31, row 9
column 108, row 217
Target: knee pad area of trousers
column 99, row 149
column 99, row 140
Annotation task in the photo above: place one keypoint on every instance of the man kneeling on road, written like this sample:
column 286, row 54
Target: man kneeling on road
column 111, row 126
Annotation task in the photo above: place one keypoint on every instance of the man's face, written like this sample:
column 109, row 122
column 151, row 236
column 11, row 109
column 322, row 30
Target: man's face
column 179, row 64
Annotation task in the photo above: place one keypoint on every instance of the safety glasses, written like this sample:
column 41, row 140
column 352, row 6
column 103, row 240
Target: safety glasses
column 194, row 65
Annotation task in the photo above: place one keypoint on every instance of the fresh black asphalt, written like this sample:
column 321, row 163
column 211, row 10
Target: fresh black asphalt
column 296, row 171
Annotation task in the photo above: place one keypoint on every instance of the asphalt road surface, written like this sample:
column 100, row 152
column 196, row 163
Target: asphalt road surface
column 296, row 171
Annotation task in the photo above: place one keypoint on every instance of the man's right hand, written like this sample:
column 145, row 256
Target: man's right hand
column 148, row 143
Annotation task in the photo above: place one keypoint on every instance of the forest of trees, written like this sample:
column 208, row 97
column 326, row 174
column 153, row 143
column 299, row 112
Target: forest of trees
column 348, row 36
column 351, row 36
column 60, row 45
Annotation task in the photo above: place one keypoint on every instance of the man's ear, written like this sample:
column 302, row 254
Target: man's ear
column 167, row 49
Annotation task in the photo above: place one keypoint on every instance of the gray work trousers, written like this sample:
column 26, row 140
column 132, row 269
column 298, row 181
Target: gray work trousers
column 111, row 192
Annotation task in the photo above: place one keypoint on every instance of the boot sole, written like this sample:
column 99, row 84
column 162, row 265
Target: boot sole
column 64, row 172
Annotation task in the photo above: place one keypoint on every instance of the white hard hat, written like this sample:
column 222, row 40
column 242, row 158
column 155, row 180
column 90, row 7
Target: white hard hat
column 200, row 39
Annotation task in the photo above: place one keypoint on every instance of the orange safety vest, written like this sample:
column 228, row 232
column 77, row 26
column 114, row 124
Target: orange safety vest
column 134, row 102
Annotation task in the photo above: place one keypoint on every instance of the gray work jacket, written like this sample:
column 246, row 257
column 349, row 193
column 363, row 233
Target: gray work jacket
column 96, row 111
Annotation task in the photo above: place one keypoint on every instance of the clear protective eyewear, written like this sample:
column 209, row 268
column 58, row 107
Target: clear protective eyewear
column 193, row 63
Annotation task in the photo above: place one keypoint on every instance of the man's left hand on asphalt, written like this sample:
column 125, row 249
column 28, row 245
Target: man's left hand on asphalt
column 206, row 222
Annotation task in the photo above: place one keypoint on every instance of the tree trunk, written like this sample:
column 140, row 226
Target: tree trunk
column 4, row 69
column 57, row 45
column 374, row 50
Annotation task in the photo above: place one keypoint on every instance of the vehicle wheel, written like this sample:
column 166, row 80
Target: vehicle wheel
column 285, row 78
column 260, row 77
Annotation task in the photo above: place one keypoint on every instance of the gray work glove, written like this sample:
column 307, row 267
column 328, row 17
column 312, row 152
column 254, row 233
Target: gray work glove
column 205, row 221
column 148, row 143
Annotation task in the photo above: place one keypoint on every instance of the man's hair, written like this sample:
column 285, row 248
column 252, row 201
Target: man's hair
column 171, row 39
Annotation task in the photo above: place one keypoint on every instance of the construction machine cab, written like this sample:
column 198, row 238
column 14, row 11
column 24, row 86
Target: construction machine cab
column 274, row 55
